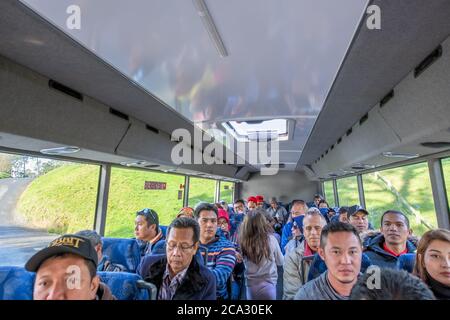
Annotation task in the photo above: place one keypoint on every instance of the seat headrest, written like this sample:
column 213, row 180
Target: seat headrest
column 16, row 283
column 122, row 251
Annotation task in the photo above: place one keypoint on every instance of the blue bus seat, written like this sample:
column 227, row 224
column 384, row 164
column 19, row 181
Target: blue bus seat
column 16, row 283
column 406, row 262
column 125, row 252
column 128, row 286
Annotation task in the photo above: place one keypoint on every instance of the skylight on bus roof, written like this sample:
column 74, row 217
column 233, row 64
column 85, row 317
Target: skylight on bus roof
column 258, row 129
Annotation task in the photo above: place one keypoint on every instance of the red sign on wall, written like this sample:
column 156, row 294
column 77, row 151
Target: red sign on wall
column 153, row 185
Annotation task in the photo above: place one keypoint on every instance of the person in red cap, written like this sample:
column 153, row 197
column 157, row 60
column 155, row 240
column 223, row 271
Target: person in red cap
column 259, row 201
column 223, row 222
column 251, row 203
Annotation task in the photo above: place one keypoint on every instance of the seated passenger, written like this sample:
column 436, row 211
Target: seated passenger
column 323, row 204
column 177, row 275
column 148, row 234
column 251, row 203
column 298, row 209
column 67, row 270
column 261, row 253
column 187, row 212
column 317, row 199
column 260, row 203
column 295, row 266
column 237, row 217
column 104, row 263
column 433, row 262
column 341, row 215
column 221, row 252
column 393, row 285
column 341, row 249
column 359, row 220
column 297, row 236
column 384, row 249
column 223, row 223
column 277, row 212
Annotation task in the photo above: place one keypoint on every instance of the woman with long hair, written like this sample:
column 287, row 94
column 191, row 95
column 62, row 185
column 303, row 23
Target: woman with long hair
column 262, row 254
column 433, row 262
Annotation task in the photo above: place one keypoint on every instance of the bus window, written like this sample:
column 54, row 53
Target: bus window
column 407, row 189
column 348, row 191
column 133, row 190
column 201, row 190
column 40, row 199
column 329, row 193
column 226, row 191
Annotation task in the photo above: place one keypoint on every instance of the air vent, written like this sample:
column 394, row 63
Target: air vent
column 363, row 119
column 436, row 145
column 152, row 129
column 326, row 152
column 332, row 147
column 339, row 140
column 64, row 89
column 118, row 114
column 428, row 61
column 349, row 131
column 386, row 98
column 361, row 166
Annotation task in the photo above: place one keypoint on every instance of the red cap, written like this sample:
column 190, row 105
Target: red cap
column 222, row 214
column 259, row 199
column 253, row 199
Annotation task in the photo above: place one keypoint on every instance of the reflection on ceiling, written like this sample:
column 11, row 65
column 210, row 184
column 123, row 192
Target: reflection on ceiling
column 280, row 62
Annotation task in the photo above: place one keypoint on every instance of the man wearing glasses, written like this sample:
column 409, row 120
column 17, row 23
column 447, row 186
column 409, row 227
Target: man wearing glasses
column 178, row 276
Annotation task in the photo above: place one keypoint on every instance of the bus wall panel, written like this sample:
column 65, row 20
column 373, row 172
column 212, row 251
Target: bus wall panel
column 286, row 186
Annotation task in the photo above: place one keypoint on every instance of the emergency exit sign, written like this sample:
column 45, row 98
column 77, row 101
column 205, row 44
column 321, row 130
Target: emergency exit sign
column 154, row 185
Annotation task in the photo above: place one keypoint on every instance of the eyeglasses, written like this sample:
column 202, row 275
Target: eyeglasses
column 149, row 213
column 183, row 247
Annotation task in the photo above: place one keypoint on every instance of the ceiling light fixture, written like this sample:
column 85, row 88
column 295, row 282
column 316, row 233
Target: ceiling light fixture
column 60, row 150
column 400, row 155
column 211, row 28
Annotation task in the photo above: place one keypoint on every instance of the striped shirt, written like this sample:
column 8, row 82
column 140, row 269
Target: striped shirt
column 169, row 286
column 221, row 261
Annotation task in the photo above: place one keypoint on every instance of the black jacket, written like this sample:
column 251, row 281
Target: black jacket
column 199, row 282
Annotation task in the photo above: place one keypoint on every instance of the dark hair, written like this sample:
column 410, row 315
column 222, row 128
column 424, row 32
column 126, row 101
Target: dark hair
column 150, row 216
column 343, row 210
column 185, row 223
column 318, row 196
column 297, row 201
column 240, row 201
column 323, row 201
column 395, row 212
column 334, row 227
column 92, row 235
column 394, row 285
column 254, row 237
column 204, row 207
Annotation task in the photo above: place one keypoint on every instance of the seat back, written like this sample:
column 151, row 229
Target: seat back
column 128, row 286
column 163, row 230
column 16, row 283
column 122, row 251
column 406, row 262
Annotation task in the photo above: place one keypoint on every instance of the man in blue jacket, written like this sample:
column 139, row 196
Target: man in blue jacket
column 177, row 275
column 298, row 209
column 384, row 249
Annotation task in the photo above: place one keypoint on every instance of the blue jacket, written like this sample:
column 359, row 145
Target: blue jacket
column 381, row 258
column 199, row 282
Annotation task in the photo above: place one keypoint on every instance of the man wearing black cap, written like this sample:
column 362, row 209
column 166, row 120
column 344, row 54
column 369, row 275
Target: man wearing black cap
column 66, row 270
column 359, row 219
column 147, row 231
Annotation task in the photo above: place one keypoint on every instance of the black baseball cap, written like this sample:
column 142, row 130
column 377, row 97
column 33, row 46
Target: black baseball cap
column 352, row 212
column 68, row 243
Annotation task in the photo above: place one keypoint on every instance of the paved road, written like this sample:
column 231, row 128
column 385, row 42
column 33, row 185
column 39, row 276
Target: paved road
column 17, row 243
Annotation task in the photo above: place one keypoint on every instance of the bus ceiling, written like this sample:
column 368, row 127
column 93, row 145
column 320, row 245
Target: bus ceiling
column 308, row 74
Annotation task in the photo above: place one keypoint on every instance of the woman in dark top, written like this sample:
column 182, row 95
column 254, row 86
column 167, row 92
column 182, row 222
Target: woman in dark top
column 433, row 262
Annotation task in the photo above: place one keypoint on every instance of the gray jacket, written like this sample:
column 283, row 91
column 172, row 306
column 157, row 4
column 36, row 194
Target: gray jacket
column 296, row 269
column 318, row 289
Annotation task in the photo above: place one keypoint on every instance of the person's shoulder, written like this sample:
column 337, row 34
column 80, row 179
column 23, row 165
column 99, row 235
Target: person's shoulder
column 304, row 293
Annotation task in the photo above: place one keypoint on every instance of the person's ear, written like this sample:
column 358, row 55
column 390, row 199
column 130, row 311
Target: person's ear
column 321, row 253
column 196, row 245
column 410, row 232
column 95, row 283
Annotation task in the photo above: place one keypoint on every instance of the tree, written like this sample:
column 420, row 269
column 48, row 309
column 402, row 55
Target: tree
column 6, row 163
